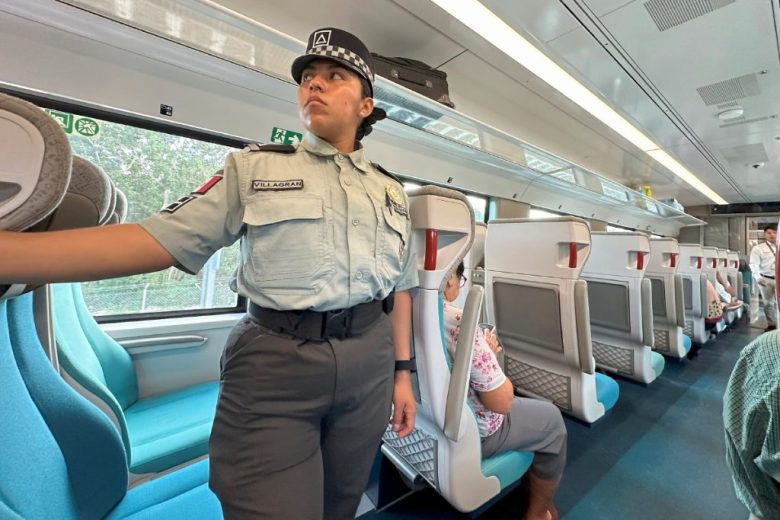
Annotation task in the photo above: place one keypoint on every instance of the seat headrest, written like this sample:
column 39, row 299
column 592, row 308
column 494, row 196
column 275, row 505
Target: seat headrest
column 664, row 255
column 551, row 247
column 87, row 201
column 35, row 164
column 623, row 254
column 710, row 255
column 447, row 215
column 691, row 258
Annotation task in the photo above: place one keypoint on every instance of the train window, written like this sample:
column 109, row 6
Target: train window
column 480, row 206
column 536, row 213
column 140, row 162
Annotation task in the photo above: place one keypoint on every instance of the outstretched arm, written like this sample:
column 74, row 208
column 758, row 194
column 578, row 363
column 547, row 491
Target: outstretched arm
column 80, row 254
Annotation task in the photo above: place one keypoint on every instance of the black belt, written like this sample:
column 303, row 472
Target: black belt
column 767, row 276
column 319, row 326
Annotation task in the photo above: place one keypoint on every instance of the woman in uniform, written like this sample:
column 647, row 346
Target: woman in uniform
column 309, row 375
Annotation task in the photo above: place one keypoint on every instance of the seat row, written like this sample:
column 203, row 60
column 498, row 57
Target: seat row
column 74, row 430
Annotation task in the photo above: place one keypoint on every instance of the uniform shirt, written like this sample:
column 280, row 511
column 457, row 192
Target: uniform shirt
column 319, row 229
column 485, row 374
column 762, row 259
column 751, row 416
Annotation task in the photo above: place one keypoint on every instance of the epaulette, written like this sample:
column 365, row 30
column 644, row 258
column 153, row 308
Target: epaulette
column 278, row 148
column 392, row 176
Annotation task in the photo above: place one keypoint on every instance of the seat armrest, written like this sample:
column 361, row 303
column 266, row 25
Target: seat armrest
column 679, row 300
column 648, row 338
column 582, row 322
column 461, row 367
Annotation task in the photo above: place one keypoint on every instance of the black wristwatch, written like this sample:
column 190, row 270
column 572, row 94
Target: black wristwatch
column 406, row 364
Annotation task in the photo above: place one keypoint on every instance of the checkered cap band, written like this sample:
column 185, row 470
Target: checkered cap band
column 334, row 51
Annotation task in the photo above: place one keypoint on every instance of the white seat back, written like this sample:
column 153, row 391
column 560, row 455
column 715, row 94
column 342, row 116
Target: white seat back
column 539, row 306
column 735, row 277
column 621, row 308
column 691, row 268
column 668, row 297
column 445, row 448
column 475, row 257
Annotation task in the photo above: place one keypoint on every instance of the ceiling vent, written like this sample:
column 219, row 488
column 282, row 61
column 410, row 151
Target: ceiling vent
column 745, row 154
column 671, row 13
column 729, row 90
column 724, row 106
column 744, row 121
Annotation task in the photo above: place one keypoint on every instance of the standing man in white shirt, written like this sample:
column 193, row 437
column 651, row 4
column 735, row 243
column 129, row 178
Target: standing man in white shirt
column 762, row 265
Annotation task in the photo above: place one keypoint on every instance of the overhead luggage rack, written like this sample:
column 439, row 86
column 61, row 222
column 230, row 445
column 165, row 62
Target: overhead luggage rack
column 443, row 145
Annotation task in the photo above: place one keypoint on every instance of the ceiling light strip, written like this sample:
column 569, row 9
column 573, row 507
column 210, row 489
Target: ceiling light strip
column 484, row 22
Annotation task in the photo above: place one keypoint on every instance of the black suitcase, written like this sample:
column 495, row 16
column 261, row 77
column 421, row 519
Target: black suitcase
column 415, row 75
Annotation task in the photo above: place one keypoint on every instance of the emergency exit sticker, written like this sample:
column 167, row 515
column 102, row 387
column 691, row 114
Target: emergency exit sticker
column 71, row 123
column 282, row 136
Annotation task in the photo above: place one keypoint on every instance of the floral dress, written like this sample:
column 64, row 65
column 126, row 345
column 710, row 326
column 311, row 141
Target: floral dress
column 486, row 374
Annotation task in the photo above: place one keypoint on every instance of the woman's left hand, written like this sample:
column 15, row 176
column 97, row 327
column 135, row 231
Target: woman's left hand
column 404, row 405
column 492, row 341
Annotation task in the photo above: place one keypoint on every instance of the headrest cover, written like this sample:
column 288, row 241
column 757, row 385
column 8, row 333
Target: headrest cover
column 120, row 211
column 87, row 198
column 35, row 162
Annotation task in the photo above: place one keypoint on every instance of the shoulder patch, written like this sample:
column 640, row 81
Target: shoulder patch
column 277, row 148
column 392, row 176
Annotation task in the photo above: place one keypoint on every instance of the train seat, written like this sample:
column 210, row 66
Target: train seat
column 690, row 268
column 60, row 457
column 160, row 431
column 540, row 308
column 668, row 298
column 621, row 305
column 710, row 268
column 445, row 448
column 57, row 445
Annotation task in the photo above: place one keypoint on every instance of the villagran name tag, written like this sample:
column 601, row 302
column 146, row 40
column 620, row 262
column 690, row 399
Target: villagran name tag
column 292, row 184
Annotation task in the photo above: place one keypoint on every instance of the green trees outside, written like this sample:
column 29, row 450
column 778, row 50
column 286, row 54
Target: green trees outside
column 154, row 169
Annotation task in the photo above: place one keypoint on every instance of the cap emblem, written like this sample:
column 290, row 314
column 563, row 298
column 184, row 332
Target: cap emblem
column 321, row 38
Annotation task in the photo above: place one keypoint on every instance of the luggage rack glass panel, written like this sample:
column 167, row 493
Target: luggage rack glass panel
column 220, row 32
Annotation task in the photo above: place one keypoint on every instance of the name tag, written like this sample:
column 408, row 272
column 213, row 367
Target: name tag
column 292, row 184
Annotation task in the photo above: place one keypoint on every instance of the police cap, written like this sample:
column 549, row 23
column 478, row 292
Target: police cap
column 337, row 45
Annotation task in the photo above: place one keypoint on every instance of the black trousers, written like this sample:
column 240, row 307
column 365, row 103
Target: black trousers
column 298, row 423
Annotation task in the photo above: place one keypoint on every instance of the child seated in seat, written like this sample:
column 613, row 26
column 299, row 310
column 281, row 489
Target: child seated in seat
column 507, row 422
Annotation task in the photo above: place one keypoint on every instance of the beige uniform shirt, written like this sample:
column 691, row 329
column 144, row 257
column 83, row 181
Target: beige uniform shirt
column 319, row 229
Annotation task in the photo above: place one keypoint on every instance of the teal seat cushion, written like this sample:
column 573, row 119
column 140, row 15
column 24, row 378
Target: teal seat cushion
column 607, row 391
column 658, row 363
column 508, row 466
column 183, row 494
column 687, row 342
column 171, row 428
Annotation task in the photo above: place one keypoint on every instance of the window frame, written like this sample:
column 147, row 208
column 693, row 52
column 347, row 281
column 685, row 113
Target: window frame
column 43, row 101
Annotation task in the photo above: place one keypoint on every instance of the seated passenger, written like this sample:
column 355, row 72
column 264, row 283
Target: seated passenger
column 726, row 293
column 507, row 422
column 751, row 417
column 714, row 307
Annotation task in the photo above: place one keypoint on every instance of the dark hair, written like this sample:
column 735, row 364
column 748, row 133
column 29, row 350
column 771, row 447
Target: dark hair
column 378, row 114
column 459, row 270
column 773, row 227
